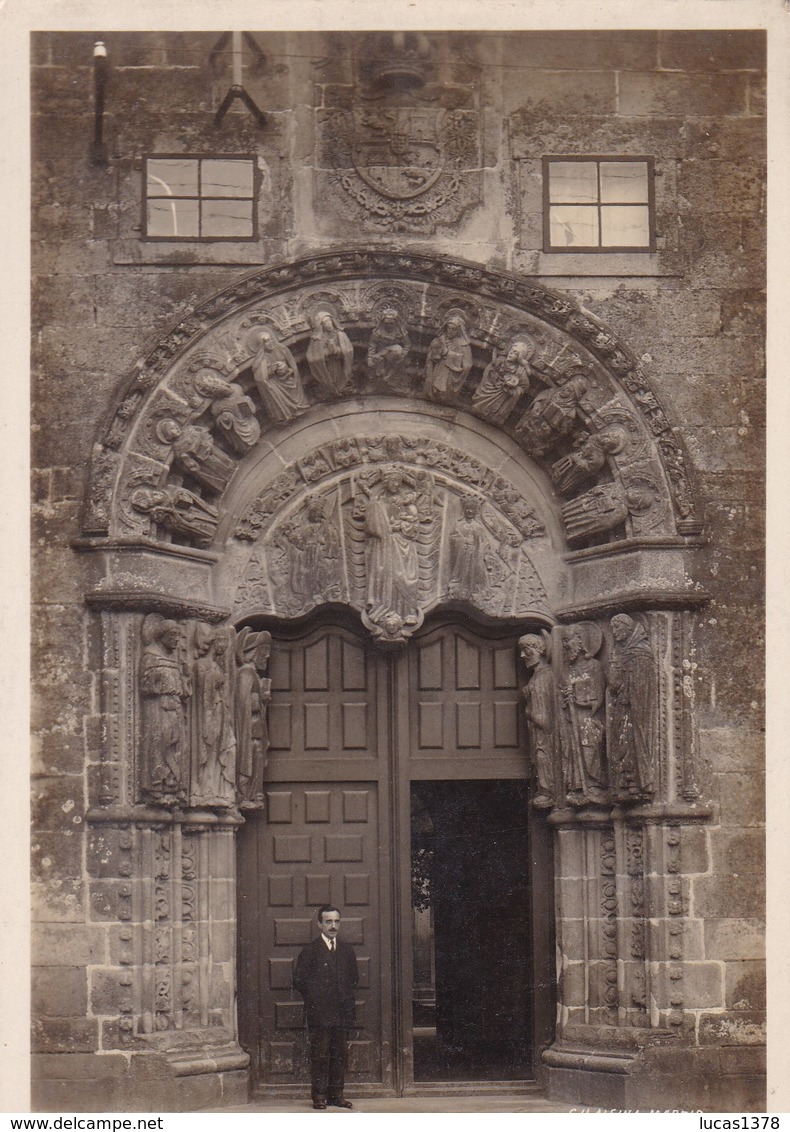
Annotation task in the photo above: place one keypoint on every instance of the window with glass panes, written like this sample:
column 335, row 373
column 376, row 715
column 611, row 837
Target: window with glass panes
column 200, row 198
column 598, row 204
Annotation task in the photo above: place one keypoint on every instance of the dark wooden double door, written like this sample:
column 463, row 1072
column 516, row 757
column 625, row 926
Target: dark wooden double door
column 396, row 790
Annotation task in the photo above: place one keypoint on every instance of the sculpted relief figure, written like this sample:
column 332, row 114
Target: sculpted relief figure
column 388, row 351
column 277, row 379
column 587, row 458
column 449, row 359
column 605, row 507
column 313, row 569
column 214, row 770
column 164, row 687
column 232, row 410
column 195, row 452
column 468, row 545
column 541, row 712
column 252, row 692
column 504, row 380
column 178, row 510
column 583, row 693
column 396, row 512
column 553, row 413
column 330, row 355
column 631, row 711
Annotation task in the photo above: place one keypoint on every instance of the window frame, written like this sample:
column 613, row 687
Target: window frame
column 199, row 158
column 600, row 249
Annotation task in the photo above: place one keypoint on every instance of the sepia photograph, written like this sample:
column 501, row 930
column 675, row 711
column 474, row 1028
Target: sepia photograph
column 398, row 449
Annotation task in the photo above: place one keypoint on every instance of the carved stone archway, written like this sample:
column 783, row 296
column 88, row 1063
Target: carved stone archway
column 392, row 433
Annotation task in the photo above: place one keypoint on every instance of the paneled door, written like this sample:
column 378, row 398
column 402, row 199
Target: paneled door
column 324, row 838
column 358, row 737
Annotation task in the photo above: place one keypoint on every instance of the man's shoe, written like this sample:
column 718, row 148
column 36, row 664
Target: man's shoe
column 341, row 1102
column 319, row 1104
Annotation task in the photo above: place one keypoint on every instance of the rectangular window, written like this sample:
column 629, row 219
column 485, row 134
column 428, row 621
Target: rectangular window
column 598, row 204
column 200, row 198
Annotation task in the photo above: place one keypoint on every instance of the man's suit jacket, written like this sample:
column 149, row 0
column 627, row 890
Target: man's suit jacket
column 327, row 983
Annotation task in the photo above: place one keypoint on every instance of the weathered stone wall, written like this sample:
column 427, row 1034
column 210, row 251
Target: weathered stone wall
column 692, row 312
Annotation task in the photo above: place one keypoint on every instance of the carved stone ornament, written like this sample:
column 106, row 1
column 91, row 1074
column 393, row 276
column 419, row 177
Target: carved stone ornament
column 606, row 507
column 540, row 708
column 630, row 714
column 232, row 410
column 196, row 454
column 587, row 458
column 553, row 414
column 392, row 540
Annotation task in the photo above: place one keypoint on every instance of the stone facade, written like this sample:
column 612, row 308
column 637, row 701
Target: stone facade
column 568, row 443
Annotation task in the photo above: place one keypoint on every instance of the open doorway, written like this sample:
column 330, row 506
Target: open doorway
column 471, row 941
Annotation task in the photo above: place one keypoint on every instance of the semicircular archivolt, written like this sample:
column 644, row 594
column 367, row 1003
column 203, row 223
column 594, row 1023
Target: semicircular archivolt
column 297, row 338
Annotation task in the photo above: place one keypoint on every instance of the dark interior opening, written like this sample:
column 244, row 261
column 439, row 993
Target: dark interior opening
column 471, row 931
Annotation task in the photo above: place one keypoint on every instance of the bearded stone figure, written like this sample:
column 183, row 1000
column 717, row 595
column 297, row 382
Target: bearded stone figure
column 540, row 707
column 330, row 355
column 553, row 413
column 630, row 714
column 164, row 687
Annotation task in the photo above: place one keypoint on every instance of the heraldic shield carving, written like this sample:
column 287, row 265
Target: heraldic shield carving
column 397, row 150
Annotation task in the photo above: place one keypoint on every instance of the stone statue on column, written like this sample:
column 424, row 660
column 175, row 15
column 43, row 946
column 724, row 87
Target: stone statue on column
column 164, row 686
column 214, row 743
column 583, row 692
column 540, row 707
column 630, row 715
column 252, row 693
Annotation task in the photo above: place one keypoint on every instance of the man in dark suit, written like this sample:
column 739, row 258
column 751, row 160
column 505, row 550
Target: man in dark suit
column 326, row 977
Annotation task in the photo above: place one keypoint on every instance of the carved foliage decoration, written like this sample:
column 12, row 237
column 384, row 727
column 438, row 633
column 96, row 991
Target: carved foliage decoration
column 551, row 377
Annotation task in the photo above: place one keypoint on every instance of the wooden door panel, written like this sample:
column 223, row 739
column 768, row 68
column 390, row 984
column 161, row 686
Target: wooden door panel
column 322, row 849
column 465, row 702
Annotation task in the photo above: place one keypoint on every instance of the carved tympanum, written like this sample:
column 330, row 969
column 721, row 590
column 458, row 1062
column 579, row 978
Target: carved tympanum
column 449, row 359
column 164, row 686
column 388, row 351
column 330, row 354
column 277, row 378
column 540, row 707
column 252, row 692
column 583, row 692
column 630, row 716
column 213, row 740
column 178, row 510
column 504, row 380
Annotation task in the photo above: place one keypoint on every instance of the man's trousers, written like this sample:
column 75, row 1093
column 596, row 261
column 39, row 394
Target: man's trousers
column 328, row 1059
